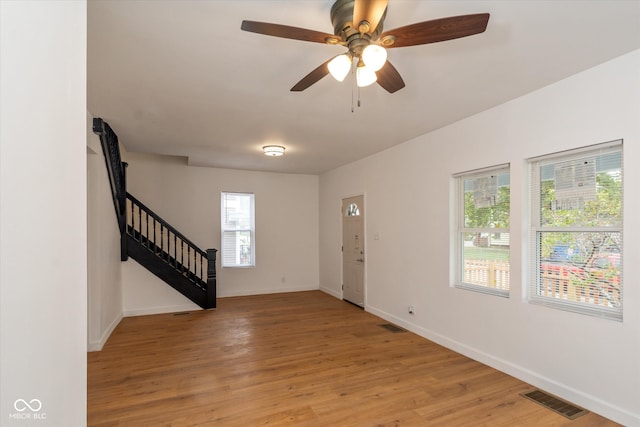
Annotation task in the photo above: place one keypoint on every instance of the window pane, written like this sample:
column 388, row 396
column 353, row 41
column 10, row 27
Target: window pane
column 486, row 260
column 237, row 212
column 486, row 201
column 237, row 248
column 586, row 192
column 581, row 267
column 352, row 210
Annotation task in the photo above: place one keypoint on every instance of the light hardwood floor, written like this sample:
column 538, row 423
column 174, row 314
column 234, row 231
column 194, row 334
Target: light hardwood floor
column 301, row 358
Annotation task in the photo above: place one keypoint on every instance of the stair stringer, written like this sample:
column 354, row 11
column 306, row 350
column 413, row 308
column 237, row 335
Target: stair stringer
column 166, row 272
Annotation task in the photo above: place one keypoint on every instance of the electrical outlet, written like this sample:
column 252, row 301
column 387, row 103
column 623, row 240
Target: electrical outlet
column 412, row 310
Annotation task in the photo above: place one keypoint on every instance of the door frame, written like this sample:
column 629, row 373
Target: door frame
column 363, row 194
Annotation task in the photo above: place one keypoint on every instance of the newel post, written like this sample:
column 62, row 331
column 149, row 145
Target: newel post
column 211, row 278
column 124, row 253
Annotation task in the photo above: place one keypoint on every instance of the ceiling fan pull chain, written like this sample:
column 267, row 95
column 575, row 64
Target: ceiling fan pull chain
column 353, row 85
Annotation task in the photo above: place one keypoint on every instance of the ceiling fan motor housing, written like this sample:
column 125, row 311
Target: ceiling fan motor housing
column 348, row 31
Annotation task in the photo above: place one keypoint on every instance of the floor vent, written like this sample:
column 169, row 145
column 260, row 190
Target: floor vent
column 392, row 328
column 559, row 406
column 183, row 313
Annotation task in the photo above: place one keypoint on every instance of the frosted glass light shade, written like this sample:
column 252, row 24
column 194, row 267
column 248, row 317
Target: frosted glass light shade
column 374, row 56
column 273, row 150
column 365, row 76
column 339, row 67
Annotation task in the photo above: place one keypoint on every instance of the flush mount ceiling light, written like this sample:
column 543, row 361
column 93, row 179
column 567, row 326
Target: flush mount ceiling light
column 273, row 150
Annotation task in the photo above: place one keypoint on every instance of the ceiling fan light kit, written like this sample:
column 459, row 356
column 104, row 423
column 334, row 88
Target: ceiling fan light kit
column 374, row 56
column 365, row 76
column 273, row 150
column 340, row 66
column 358, row 26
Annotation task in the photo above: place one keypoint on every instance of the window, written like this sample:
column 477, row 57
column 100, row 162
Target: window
column 352, row 210
column 483, row 200
column 576, row 230
column 238, row 230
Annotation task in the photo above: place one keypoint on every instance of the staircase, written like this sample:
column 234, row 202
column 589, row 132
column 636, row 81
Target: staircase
column 150, row 240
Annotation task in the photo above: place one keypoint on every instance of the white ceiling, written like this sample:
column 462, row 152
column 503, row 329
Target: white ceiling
column 181, row 78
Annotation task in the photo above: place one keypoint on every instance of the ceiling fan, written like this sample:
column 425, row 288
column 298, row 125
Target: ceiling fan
column 358, row 26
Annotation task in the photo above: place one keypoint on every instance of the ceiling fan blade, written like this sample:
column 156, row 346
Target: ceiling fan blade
column 389, row 78
column 312, row 77
column 371, row 11
column 288, row 32
column 438, row 30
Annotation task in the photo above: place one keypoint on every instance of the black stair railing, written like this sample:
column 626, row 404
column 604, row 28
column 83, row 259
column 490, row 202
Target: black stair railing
column 116, row 170
column 159, row 237
column 152, row 241
column 172, row 247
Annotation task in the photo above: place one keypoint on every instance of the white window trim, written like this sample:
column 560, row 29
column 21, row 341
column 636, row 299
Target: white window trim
column 535, row 164
column 460, row 229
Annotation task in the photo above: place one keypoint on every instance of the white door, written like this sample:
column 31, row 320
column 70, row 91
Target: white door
column 353, row 250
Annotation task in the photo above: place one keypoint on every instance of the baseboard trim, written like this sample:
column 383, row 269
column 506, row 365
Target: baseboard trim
column 577, row 397
column 331, row 292
column 97, row 345
column 243, row 293
column 161, row 310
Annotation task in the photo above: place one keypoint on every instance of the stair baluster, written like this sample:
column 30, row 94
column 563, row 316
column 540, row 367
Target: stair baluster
column 146, row 223
column 181, row 256
column 140, row 225
column 154, row 231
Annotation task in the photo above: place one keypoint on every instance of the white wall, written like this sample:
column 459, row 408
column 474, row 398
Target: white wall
column 144, row 293
column 104, row 278
column 43, row 273
column 188, row 197
column 592, row 362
